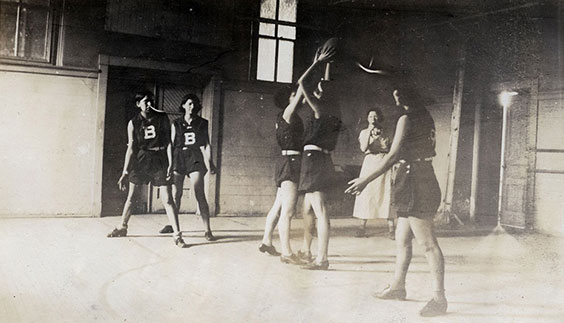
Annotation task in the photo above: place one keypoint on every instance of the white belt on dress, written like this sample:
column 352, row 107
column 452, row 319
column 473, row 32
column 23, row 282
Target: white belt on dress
column 155, row 149
column 368, row 152
column 315, row 147
column 289, row 152
column 428, row 159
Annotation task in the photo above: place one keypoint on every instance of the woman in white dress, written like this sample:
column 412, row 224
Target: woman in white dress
column 374, row 201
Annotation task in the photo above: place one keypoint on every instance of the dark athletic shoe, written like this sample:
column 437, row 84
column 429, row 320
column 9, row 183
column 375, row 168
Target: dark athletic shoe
column 433, row 308
column 118, row 233
column 388, row 293
column 209, row 236
column 291, row 260
column 305, row 257
column 268, row 249
column 180, row 243
column 167, row 229
column 314, row 266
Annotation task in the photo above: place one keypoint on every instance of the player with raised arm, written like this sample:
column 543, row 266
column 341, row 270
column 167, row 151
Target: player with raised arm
column 289, row 135
column 321, row 133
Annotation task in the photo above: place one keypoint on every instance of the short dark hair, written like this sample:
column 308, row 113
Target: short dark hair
column 195, row 100
column 408, row 89
column 141, row 94
column 281, row 97
column 378, row 112
column 409, row 96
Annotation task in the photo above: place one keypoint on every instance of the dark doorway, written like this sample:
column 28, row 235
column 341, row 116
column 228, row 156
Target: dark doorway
column 120, row 108
column 169, row 96
column 123, row 83
column 490, row 159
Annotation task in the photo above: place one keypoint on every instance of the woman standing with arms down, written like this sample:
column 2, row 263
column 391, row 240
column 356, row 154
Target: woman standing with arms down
column 415, row 196
column 191, row 157
column 374, row 201
column 148, row 159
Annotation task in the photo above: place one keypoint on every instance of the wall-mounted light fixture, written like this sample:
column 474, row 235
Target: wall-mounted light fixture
column 505, row 98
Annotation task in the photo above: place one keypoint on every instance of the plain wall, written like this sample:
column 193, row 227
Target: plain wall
column 47, row 127
column 248, row 152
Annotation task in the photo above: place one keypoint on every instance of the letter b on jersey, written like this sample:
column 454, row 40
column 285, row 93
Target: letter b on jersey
column 189, row 138
column 150, row 132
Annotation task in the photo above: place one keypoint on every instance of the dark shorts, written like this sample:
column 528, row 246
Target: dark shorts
column 317, row 172
column 415, row 190
column 188, row 161
column 288, row 169
column 149, row 166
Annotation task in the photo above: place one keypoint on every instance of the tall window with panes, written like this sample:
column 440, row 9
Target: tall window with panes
column 26, row 29
column 276, row 37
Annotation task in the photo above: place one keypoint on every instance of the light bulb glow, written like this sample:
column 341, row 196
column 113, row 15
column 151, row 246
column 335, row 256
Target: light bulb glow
column 505, row 97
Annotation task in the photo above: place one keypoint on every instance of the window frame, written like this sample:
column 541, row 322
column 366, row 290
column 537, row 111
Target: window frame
column 52, row 40
column 256, row 36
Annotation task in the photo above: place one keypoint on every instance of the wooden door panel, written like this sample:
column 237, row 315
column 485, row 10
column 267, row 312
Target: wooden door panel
column 514, row 192
column 120, row 109
column 169, row 96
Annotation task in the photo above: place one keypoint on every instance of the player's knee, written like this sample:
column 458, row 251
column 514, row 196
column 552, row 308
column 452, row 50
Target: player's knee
column 169, row 203
column 287, row 214
column 166, row 200
column 404, row 245
column 428, row 245
column 312, row 229
column 129, row 199
column 403, row 242
column 128, row 204
column 201, row 197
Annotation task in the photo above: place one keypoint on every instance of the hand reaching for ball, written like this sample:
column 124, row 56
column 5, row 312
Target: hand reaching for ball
column 326, row 52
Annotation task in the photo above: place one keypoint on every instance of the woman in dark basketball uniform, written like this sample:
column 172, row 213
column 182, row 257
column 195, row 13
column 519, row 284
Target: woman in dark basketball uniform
column 148, row 159
column 289, row 135
column 321, row 133
column 415, row 196
column 191, row 157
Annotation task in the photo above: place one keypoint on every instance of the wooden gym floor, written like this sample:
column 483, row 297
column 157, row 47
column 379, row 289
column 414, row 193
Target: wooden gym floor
column 66, row 270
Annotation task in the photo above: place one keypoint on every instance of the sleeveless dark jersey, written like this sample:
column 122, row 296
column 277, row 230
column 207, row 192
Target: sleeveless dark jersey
column 420, row 140
column 193, row 135
column 152, row 132
column 289, row 136
column 323, row 132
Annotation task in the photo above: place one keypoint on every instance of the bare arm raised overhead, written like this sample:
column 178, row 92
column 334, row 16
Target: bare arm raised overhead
column 321, row 57
column 291, row 108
